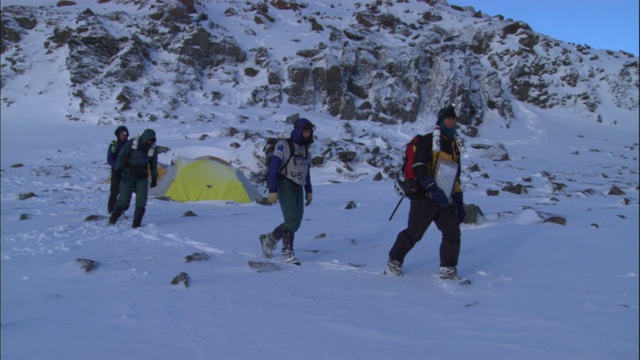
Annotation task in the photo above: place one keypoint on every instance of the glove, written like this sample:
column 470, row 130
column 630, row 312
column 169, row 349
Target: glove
column 309, row 199
column 438, row 196
column 410, row 188
column 154, row 183
column 428, row 183
column 458, row 200
column 272, row 198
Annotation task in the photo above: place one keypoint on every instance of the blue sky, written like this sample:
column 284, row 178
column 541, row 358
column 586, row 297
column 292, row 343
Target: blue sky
column 610, row 25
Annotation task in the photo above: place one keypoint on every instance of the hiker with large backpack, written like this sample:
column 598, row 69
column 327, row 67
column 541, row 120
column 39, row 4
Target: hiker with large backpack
column 289, row 182
column 135, row 160
column 122, row 135
column 434, row 169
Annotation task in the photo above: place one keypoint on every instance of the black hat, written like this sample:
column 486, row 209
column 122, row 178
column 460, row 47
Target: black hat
column 447, row 112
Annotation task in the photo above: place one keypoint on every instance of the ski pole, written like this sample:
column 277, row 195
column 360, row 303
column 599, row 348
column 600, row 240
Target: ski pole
column 394, row 210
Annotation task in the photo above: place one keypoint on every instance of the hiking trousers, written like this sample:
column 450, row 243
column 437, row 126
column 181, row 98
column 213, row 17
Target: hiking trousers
column 422, row 213
column 114, row 189
column 128, row 185
column 291, row 199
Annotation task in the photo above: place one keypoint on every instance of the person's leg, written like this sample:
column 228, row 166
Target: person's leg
column 142, row 188
column 291, row 198
column 447, row 223
column 127, row 184
column 421, row 214
column 113, row 190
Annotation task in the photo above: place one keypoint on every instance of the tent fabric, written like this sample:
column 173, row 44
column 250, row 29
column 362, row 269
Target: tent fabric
column 162, row 171
column 205, row 178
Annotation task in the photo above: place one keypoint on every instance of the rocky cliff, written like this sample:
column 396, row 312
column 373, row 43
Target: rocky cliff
column 385, row 62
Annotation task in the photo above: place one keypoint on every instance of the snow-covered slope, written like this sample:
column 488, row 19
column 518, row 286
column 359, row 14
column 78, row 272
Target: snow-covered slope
column 540, row 289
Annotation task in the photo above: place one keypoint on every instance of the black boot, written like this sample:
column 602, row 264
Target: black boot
column 112, row 203
column 287, row 249
column 137, row 217
column 117, row 211
column 277, row 232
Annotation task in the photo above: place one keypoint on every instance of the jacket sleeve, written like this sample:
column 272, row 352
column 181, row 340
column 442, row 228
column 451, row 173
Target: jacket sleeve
column 153, row 164
column 457, row 186
column 307, row 186
column 122, row 154
column 111, row 157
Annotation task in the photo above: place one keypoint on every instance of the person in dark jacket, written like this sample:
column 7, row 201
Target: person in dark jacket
column 135, row 160
column 122, row 135
column 439, row 199
column 289, row 181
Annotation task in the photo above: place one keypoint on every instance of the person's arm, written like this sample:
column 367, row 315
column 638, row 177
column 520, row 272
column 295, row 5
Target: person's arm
column 153, row 163
column 122, row 154
column 308, row 188
column 111, row 155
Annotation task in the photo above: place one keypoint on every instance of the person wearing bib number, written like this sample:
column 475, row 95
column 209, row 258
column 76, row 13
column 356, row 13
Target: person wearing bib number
column 289, row 183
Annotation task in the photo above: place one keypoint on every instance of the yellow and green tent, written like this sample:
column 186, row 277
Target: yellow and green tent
column 204, row 178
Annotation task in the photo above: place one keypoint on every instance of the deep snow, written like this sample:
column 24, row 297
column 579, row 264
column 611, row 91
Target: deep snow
column 541, row 290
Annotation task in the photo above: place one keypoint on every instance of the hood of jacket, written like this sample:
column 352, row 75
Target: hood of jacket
column 296, row 133
column 147, row 135
column 120, row 129
column 444, row 113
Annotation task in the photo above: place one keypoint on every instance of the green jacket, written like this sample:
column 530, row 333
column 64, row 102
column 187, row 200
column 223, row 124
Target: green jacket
column 136, row 155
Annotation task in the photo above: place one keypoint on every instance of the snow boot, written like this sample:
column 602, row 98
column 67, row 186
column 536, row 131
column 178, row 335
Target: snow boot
column 117, row 211
column 287, row 249
column 137, row 217
column 268, row 242
column 448, row 273
column 393, row 268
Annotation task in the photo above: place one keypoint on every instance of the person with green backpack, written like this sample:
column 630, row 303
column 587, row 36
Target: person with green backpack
column 135, row 160
column 289, row 182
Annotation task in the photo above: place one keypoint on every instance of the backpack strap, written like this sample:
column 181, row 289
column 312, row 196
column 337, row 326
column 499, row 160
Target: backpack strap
column 291, row 148
column 152, row 149
column 134, row 144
